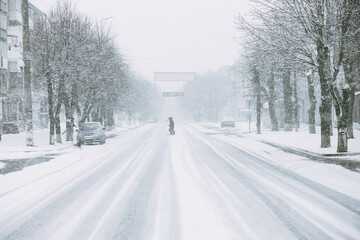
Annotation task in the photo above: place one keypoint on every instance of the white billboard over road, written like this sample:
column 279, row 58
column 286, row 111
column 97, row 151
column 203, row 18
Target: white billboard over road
column 174, row 76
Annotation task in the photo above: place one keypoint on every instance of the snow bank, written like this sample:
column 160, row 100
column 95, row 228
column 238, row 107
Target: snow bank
column 301, row 139
column 12, row 146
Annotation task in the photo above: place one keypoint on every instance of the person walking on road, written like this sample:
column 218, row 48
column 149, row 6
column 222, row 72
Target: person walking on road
column 171, row 126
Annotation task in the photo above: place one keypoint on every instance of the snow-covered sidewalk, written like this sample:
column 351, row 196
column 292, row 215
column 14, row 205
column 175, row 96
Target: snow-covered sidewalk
column 300, row 140
column 12, row 146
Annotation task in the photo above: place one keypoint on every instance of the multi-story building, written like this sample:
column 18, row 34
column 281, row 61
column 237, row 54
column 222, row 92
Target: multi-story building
column 3, row 54
column 11, row 51
column 15, row 92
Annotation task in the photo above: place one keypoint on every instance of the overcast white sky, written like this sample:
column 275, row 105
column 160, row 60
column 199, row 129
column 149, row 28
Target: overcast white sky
column 168, row 35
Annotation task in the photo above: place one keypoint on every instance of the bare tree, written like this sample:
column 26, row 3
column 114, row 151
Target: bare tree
column 314, row 31
column 83, row 70
column 208, row 97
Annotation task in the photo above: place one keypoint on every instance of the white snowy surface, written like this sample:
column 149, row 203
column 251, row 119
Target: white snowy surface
column 300, row 140
column 12, row 146
column 198, row 184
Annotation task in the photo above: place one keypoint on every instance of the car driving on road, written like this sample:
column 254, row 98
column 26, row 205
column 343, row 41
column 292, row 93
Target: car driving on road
column 90, row 132
column 227, row 122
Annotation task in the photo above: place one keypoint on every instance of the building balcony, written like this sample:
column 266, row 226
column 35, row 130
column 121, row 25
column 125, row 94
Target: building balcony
column 15, row 18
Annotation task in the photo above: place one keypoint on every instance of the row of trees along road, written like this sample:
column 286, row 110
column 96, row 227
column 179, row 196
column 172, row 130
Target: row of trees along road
column 208, row 96
column 287, row 38
column 77, row 63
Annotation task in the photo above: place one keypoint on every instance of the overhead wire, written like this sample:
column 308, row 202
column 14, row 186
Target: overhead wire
column 182, row 59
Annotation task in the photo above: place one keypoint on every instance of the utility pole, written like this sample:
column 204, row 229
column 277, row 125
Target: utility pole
column 27, row 74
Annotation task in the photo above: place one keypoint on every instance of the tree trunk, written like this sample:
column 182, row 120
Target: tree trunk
column 342, row 114
column 272, row 98
column 288, row 106
column 312, row 101
column 349, row 72
column 322, row 59
column 69, row 122
column 51, row 110
column 78, row 111
column 103, row 114
column 325, row 116
column 70, row 113
column 52, row 130
column 350, row 119
column 95, row 115
column 258, row 113
column 110, row 121
column 258, row 100
column 296, row 105
column 86, row 112
column 57, row 123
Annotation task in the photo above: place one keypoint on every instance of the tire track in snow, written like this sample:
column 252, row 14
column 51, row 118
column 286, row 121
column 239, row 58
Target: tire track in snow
column 72, row 165
column 83, row 208
column 198, row 216
column 223, row 198
column 21, row 210
column 240, row 173
column 235, row 198
column 36, row 218
column 347, row 202
column 305, row 202
column 166, row 212
column 134, row 220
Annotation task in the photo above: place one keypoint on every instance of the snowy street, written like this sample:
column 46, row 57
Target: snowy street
column 198, row 184
column 179, row 120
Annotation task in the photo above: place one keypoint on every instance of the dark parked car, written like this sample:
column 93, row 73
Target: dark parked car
column 90, row 132
column 227, row 122
column 10, row 127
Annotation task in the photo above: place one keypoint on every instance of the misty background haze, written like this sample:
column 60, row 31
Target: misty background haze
column 168, row 36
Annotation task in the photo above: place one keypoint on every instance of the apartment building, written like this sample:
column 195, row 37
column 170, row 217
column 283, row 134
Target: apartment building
column 11, row 66
column 3, row 54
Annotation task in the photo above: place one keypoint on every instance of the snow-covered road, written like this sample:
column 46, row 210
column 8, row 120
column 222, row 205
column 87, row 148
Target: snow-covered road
column 145, row 184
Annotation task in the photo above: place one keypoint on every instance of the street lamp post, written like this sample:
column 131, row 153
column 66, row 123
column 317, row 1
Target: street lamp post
column 27, row 74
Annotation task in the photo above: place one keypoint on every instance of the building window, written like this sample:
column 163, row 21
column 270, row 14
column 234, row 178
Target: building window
column 2, row 84
column 3, row 35
column 3, row 7
column 12, row 5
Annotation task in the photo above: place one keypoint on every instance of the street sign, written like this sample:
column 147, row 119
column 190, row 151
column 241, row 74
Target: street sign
column 173, row 94
column 249, row 102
